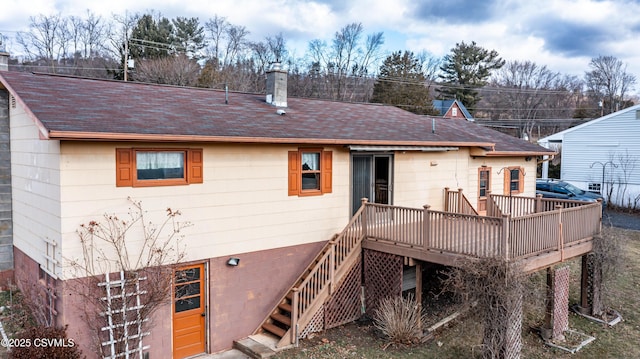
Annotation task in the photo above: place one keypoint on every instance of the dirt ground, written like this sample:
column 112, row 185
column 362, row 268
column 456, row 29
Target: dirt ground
column 462, row 338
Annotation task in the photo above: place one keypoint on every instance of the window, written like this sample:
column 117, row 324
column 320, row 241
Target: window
column 594, row 187
column 310, row 172
column 454, row 112
column 484, row 181
column 142, row 167
column 513, row 180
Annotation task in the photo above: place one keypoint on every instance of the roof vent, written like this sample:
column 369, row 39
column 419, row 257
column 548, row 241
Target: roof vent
column 281, row 112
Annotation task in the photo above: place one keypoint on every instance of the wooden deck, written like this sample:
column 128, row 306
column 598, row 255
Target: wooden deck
column 542, row 233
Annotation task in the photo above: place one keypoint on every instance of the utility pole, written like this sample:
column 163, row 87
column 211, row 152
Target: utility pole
column 126, row 57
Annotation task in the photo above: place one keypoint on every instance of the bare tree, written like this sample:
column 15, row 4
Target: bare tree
column 525, row 91
column 176, row 70
column 216, row 28
column 119, row 308
column 346, row 62
column 609, row 82
column 497, row 288
column 43, row 39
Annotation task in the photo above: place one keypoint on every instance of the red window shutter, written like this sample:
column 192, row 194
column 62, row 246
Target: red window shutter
column 124, row 167
column 196, row 166
column 294, row 173
column 327, row 172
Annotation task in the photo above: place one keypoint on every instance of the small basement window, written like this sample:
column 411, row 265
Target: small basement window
column 595, row 187
column 138, row 167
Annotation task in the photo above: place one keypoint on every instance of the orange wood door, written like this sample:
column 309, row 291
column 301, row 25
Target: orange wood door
column 188, row 311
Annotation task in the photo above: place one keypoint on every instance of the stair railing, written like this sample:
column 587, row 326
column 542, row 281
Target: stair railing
column 322, row 277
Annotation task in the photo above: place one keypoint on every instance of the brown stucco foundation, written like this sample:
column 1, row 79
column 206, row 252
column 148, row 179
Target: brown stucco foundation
column 239, row 297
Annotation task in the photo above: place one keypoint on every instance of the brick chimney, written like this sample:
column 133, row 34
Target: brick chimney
column 277, row 86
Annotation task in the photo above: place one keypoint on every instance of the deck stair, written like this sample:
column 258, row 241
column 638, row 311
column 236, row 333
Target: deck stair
column 316, row 284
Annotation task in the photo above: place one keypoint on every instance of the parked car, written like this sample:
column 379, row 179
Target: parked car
column 550, row 188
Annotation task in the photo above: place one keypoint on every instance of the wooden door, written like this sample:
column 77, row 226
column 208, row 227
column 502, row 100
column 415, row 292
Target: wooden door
column 188, row 311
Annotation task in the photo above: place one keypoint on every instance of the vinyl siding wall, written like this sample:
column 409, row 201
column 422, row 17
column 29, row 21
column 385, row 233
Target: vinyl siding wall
column 242, row 206
column 615, row 139
column 35, row 175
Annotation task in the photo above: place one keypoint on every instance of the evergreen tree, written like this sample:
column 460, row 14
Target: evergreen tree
column 151, row 38
column 189, row 36
column 401, row 83
column 466, row 69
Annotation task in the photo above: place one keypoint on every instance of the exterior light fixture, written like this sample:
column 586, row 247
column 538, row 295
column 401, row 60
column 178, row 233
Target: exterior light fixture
column 233, row 262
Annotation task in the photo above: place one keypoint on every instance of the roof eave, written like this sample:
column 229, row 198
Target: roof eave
column 138, row 137
column 519, row 153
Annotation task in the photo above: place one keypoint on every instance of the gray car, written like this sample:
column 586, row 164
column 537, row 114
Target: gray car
column 549, row 188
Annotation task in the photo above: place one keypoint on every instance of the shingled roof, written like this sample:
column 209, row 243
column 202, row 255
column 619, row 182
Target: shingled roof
column 71, row 108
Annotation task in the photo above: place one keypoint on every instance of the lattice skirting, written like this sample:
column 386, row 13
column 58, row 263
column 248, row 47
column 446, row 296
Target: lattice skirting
column 560, row 301
column 316, row 325
column 382, row 278
column 513, row 332
column 345, row 305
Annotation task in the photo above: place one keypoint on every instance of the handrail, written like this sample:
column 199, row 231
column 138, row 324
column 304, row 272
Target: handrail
column 323, row 276
column 519, row 206
column 457, row 202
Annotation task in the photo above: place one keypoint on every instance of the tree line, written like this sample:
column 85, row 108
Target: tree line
column 351, row 66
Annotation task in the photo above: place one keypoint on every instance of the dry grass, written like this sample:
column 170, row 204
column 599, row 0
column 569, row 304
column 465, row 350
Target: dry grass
column 463, row 339
column 399, row 319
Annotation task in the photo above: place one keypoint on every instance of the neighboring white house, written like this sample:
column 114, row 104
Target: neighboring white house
column 602, row 156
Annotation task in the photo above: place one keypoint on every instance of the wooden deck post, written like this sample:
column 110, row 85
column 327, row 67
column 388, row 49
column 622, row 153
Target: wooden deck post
column 600, row 218
column 547, row 327
column 506, row 221
column 364, row 201
column 584, row 286
column 426, row 227
column 538, row 203
column 460, row 198
column 560, row 239
column 446, row 199
column 294, row 314
column 419, row 291
column 332, row 267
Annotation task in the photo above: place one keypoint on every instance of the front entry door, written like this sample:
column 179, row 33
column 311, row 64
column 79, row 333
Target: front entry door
column 188, row 311
column 371, row 178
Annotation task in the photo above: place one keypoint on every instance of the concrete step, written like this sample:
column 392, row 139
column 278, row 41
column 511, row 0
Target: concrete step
column 255, row 347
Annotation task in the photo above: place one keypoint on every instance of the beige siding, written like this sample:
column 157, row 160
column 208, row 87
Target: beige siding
column 242, row 206
column 36, row 187
column 420, row 177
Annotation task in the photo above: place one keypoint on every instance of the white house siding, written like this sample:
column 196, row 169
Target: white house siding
column 242, row 206
column 36, row 188
column 614, row 138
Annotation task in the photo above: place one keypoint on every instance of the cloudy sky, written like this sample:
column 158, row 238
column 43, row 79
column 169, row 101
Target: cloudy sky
column 561, row 34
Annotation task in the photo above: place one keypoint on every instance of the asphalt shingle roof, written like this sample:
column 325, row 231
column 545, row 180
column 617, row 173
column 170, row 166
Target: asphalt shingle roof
column 79, row 108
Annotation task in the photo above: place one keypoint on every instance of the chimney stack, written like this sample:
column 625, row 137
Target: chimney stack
column 277, row 86
column 4, row 55
column 4, row 61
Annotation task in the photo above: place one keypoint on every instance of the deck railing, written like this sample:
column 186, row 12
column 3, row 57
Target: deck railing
column 464, row 234
column 506, row 236
column 327, row 271
column 456, row 202
column 519, row 206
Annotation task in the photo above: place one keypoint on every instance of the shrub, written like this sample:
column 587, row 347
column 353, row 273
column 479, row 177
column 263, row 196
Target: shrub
column 45, row 343
column 399, row 319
